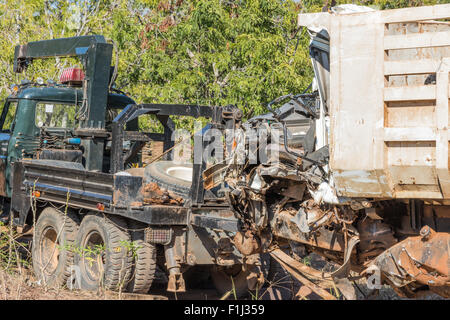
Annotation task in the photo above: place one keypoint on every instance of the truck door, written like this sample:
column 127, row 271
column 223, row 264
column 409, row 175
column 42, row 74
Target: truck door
column 6, row 123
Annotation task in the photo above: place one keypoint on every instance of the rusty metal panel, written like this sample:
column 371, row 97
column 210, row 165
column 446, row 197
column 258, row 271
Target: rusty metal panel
column 423, row 259
column 127, row 191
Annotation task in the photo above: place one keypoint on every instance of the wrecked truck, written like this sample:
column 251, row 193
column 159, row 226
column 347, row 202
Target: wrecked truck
column 355, row 171
column 361, row 172
column 72, row 176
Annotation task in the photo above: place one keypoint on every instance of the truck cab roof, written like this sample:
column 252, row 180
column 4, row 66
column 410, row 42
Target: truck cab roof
column 68, row 95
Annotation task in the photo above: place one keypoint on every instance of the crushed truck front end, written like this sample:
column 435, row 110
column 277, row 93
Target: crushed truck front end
column 368, row 186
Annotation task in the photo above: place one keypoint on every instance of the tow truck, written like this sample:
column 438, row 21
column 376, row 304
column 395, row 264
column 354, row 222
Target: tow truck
column 67, row 155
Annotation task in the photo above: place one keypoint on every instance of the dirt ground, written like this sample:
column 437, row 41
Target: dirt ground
column 24, row 287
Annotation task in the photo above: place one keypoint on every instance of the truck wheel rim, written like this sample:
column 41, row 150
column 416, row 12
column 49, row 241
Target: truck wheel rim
column 179, row 172
column 94, row 254
column 49, row 251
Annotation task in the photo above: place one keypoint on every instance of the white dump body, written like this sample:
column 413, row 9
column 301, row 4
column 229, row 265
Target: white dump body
column 388, row 101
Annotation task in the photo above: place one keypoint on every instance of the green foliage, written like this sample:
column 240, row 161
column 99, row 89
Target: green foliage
column 393, row 4
column 218, row 53
column 307, row 260
column 92, row 254
column 215, row 52
column 13, row 254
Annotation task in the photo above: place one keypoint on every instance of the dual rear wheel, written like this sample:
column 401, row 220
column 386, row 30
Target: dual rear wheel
column 105, row 252
column 98, row 252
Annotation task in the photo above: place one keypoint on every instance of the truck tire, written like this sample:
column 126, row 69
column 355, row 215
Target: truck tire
column 105, row 260
column 144, row 266
column 171, row 176
column 52, row 256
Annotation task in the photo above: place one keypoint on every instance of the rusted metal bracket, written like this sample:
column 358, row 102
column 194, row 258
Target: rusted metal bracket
column 344, row 270
column 423, row 259
column 176, row 283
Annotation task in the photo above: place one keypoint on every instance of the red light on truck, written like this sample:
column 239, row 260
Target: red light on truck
column 100, row 206
column 72, row 75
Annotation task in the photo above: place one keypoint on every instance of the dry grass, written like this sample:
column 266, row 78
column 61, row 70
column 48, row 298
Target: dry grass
column 17, row 280
column 15, row 286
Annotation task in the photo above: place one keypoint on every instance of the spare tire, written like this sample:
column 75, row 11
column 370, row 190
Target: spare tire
column 171, row 176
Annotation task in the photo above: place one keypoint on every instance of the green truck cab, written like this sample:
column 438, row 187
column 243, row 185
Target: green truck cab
column 52, row 108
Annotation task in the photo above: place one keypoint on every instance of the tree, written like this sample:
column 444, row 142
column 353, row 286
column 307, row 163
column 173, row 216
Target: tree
column 217, row 52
